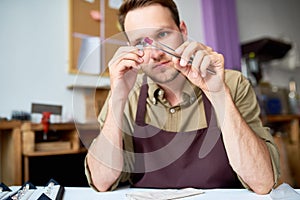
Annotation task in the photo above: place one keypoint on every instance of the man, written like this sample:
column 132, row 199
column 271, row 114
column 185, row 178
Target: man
column 174, row 124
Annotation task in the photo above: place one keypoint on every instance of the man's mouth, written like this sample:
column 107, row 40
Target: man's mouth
column 162, row 64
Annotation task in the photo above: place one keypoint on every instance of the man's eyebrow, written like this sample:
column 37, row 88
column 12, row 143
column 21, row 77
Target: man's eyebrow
column 160, row 29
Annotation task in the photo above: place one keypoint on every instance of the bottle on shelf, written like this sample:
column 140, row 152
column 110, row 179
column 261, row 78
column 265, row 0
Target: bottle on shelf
column 294, row 99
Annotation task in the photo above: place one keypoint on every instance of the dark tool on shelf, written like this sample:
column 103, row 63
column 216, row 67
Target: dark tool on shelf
column 261, row 51
column 46, row 111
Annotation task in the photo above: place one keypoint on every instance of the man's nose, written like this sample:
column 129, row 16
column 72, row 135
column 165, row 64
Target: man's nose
column 156, row 53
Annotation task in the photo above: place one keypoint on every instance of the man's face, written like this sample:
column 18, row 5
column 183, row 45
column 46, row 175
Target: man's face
column 156, row 23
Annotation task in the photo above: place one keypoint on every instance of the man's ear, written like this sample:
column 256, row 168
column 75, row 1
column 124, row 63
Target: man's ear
column 183, row 28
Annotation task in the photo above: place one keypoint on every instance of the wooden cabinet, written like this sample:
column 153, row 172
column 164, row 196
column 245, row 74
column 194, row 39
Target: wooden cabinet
column 10, row 152
column 287, row 136
column 63, row 140
column 23, row 153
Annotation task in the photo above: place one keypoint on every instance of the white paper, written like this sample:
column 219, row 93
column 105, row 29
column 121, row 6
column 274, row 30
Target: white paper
column 164, row 194
column 284, row 192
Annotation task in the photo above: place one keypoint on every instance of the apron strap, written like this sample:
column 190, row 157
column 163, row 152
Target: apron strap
column 141, row 108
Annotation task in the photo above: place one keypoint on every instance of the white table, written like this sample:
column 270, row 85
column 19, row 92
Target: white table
column 86, row 193
column 74, row 193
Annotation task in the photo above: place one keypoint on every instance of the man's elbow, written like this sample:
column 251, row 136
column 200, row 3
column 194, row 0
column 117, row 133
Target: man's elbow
column 102, row 177
column 105, row 183
column 102, row 187
column 263, row 188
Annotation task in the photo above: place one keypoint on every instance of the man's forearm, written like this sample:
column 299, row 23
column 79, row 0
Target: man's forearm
column 105, row 156
column 247, row 153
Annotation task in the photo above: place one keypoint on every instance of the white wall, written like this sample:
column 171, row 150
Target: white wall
column 272, row 18
column 275, row 18
column 190, row 13
column 34, row 52
column 34, row 56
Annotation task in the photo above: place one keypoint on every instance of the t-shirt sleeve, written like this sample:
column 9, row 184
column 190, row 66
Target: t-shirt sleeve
column 246, row 101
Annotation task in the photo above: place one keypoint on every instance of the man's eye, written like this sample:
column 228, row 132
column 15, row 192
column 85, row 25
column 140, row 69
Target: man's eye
column 162, row 34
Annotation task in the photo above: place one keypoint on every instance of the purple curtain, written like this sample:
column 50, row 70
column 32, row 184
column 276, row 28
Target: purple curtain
column 221, row 30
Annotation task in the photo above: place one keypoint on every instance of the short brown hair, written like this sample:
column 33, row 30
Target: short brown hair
column 129, row 5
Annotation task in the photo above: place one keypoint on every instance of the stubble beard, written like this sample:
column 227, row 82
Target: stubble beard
column 164, row 76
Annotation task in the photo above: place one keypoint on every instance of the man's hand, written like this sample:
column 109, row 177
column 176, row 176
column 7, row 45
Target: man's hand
column 123, row 69
column 203, row 58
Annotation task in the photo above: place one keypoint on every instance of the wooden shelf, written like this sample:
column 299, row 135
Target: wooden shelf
column 54, row 126
column 87, row 87
column 66, row 132
column 281, row 118
column 55, row 153
column 5, row 125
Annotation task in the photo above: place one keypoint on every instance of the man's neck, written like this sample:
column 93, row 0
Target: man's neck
column 173, row 90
